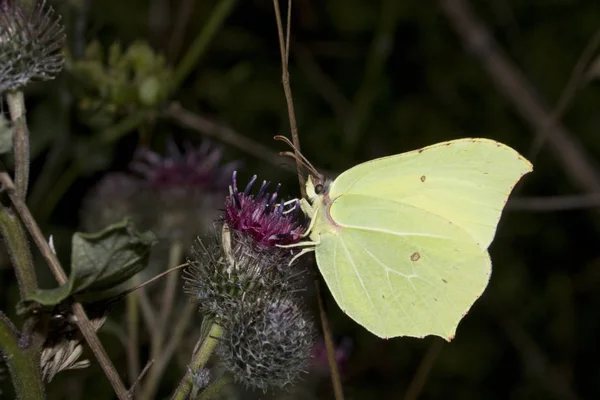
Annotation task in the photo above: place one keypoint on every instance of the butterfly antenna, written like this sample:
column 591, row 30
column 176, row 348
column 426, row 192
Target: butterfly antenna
column 298, row 156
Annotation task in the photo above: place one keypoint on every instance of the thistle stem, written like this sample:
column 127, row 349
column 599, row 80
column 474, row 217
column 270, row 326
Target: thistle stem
column 215, row 387
column 16, row 108
column 16, row 243
column 24, row 364
column 81, row 319
column 199, row 360
column 168, row 299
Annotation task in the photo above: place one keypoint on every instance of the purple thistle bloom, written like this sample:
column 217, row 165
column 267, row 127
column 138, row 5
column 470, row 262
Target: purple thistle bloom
column 192, row 168
column 260, row 216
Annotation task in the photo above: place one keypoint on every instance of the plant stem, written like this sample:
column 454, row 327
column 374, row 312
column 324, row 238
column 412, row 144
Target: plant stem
column 23, row 364
column 215, row 387
column 133, row 353
column 200, row 44
column 81, row 319
column 333, row 366
column 199, row 360
column 16, row 244
column 284, row 47
column 16, row 107
column 162, row 325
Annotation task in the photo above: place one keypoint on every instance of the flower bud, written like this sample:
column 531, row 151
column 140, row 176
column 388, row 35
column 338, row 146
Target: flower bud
column 31, row 43
column 267, row 343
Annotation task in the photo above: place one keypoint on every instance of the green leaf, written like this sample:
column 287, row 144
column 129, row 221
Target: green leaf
column 101, row 260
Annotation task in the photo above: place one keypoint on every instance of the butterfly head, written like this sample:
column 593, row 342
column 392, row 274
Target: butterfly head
column 317, row 187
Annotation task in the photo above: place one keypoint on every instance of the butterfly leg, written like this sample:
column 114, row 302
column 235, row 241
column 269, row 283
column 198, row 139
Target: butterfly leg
column 304, row 251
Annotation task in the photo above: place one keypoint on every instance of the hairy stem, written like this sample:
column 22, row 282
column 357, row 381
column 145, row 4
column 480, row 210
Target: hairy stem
column 16, row 107
column 81, row 319
column 199, row 360
column 24, row 364
column 215, row 387
column 16, row 243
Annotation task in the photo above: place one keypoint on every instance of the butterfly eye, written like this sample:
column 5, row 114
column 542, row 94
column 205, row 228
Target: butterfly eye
column 319, row 189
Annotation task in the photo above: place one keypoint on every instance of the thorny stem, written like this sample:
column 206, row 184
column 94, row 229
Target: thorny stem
column 200, row 358
column 24, row 364
column 16, row 244
column 16, row 107
column 162, row 325
column 285, row 50
column 81, row 319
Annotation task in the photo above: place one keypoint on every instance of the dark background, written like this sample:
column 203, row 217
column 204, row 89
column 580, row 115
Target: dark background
column 373, row 78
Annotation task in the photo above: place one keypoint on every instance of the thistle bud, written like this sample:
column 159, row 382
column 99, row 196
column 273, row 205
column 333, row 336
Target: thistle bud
column 31, row 43
column 267, row 343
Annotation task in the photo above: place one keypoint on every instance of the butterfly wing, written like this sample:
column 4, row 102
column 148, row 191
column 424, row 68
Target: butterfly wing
column 465, row 181
column 399, row 270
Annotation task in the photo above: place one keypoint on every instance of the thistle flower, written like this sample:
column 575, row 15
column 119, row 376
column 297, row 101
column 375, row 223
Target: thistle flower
column 181, row 192
column 260, row 217
column 245, row 261
column 267, row 344
column 220, row 276
column 31, row 44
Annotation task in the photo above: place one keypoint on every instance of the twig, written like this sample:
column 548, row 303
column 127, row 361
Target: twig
column 285, row 51
column 420, row 379
column 147, row 312
column 133, row 335
column 381, row 48
column 329, row 345
column 323, row 84
column 223, row 133
column 132, row 390
column 198, row 48
column 184, row 320
column 182, row 19
column 512, row 83
column 534, row 358
column 162, row 324
column 16, row 107
column 81, row 319
column 285, row 78
column 571, row 87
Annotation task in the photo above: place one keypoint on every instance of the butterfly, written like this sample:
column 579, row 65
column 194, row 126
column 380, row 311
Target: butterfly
column 402, row 241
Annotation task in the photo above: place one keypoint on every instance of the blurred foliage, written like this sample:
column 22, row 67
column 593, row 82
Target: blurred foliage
column 131, row 80
column 369, row 78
